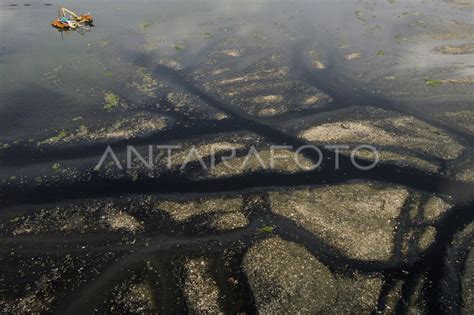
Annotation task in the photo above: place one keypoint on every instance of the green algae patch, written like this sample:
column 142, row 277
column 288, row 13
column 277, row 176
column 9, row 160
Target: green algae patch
column 267, row 229
column 145, row 83
column 431, row 82
column 111, row 100
column 380, row 53
column 179, row 47
column 145, row 25
column 56, row 167
column 61, row 135
column 4, row 146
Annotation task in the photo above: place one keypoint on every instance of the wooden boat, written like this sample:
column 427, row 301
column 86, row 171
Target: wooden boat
column 74, row 21
column 84, row 18
column 60, row 25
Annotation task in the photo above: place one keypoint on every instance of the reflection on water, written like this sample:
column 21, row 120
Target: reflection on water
column 32, row 53
column 212, row 74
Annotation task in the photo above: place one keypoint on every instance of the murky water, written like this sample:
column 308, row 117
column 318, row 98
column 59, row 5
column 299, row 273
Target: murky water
column 396, row 75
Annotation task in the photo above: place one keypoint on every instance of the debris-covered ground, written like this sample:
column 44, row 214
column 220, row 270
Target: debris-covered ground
column 217, row 231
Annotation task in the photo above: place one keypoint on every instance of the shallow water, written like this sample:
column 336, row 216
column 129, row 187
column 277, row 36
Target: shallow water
column 257, row 73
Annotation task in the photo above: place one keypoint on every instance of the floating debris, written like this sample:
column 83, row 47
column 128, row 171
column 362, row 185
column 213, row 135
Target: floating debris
column 352, row 56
